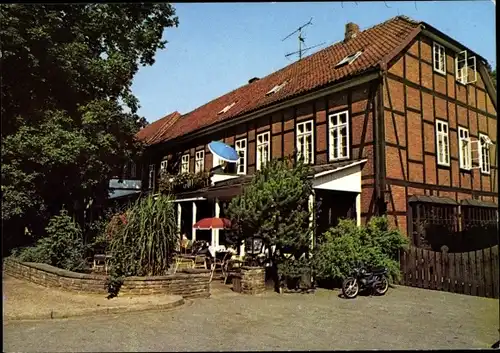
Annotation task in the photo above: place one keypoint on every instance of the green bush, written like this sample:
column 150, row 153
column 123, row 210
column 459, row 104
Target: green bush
column 143, row 245
column 341, row 248
column 62, row 247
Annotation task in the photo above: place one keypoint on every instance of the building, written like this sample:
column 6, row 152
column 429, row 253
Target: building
column 398, row 119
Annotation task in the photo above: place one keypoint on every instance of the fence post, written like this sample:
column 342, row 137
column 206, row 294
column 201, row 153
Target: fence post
column 445, row 268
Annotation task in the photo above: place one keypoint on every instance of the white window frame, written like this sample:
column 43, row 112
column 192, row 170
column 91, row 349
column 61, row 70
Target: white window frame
column 441, row 53
column 263, row 149
column 485, row 154
column 334, row 124
column 226, row 108
column 184, row 164
column 464, row 148
column 465, row 63
column 163, row 166
column 241, row 148
column 199, row 161
column 444, row 151
column 276, row 88
column 308, row 155
column 151, row 176
column 349, row 59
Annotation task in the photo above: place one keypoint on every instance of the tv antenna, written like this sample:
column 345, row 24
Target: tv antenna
column 301, row 40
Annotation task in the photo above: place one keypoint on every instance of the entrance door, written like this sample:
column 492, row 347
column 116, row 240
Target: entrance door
column 334, row 206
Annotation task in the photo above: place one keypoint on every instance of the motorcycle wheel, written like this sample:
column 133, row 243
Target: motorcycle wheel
column 350, row 288
column 381, row 286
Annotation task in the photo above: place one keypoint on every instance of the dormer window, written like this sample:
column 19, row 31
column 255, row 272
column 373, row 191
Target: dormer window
column 349, row 59
column 226, row 108
column 276, row 88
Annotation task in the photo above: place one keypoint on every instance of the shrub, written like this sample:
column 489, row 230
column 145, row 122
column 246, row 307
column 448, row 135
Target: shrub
column 143, row 245
column 344, row 246
column 62, row 247
column 274, row 207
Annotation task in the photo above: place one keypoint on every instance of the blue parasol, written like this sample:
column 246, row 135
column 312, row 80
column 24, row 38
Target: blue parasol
column 223, row 151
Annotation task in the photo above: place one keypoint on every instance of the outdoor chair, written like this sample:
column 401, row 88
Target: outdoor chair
column 220, row 262
column 232, row 266
column 101, row 262
column 200, row 262
column 186, row 246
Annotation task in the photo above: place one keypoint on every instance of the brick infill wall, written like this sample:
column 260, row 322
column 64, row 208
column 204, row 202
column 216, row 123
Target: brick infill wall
column 189, row 283
column 250, row 280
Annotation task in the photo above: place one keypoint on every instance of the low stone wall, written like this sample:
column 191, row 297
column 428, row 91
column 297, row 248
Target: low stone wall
column 250, row 280
column 190, row 283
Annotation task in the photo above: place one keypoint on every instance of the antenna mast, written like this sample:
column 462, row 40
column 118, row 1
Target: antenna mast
column 301, row 40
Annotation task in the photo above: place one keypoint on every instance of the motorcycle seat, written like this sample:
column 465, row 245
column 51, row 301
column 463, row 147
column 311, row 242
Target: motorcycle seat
column 378, row 270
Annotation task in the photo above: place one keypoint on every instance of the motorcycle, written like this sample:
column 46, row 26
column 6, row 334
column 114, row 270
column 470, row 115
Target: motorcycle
column 375, row 280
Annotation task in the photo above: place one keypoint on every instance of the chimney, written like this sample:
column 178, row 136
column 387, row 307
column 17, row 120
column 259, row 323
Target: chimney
column 351, row 30
column 253, row 80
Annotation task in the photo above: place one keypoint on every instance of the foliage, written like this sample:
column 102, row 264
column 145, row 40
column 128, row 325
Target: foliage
column 68, row 113
column 144, row 244
column 344, row 246
column 170, row 183
column 63, row 247
column 274, row 207
column 493, row 75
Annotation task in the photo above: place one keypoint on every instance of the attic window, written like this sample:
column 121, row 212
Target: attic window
column 226, row 108
column 276, row 88
column 349, row 59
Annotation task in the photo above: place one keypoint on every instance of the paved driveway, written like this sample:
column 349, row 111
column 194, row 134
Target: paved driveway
column 406, row 318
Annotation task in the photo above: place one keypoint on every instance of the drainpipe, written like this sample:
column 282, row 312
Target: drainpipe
column 379, row 121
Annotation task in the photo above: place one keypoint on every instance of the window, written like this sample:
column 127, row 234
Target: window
column 349, row 59
column 485, row 153
column 305, row 146
column 465, row 68
column 276, row 88
column 163, row 166
column 339, row 136
column 199, row 161
column 241, row 149
column 464, row 148
column 151, row 179
column 226, row 108
column 262, row 150
column 185, row 163
column 439, row 56
column 443, row 146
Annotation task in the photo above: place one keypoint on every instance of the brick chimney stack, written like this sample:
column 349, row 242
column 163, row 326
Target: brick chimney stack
column 351, row 30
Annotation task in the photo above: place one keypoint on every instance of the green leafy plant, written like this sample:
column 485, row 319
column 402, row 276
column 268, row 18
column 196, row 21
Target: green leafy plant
column 342, row 247
column 74, row 128
column 170, row 183
column 62, row 247
column 274, row 208
column 143, row 245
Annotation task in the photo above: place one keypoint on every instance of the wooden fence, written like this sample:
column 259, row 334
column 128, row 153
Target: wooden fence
column 473, row 273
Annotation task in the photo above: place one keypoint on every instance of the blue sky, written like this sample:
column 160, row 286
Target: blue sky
column 220, row 46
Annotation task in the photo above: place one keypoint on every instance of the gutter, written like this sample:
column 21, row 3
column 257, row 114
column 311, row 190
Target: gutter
column 355, row 81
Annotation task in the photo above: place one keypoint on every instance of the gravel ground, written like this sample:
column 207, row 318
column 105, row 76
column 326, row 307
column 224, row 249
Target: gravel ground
column 405, row 318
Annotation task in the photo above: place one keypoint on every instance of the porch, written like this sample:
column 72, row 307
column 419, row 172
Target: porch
column 337, row 186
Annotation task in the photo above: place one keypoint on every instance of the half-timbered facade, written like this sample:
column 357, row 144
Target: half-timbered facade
column 393, row 120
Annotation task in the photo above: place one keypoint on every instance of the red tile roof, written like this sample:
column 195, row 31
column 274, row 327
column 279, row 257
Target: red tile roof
column 310, row 73
column 155, row 132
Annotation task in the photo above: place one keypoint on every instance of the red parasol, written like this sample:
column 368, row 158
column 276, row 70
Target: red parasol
column 213, row 223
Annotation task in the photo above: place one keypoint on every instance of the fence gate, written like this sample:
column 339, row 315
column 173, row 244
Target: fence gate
column 473, row 273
